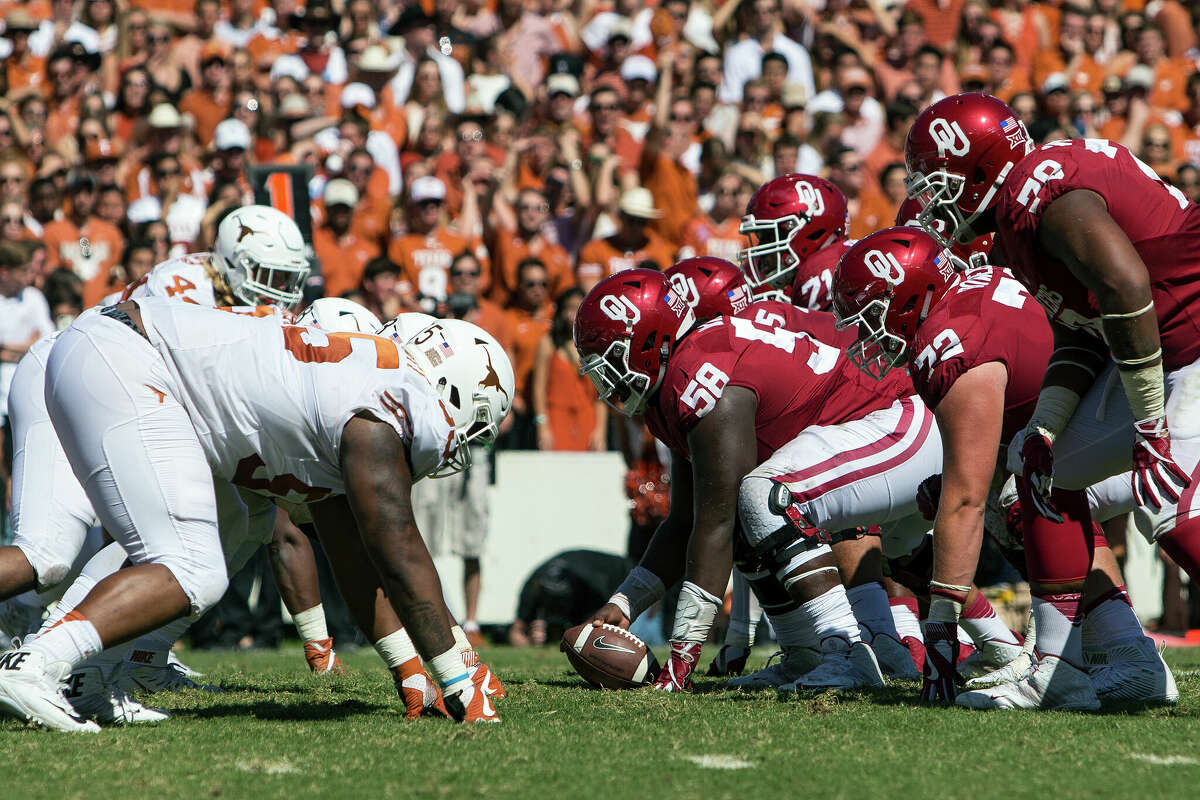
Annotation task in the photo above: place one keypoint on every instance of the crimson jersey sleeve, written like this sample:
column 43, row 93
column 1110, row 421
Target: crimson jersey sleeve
column 812, row 287
column 988, row 316
column 1162, row 224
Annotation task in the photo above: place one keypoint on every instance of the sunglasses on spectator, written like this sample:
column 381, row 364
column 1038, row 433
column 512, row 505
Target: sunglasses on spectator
column 360, row 169
column 534, row 284
column 725, row 192
column 170, row 173
column 158, row 38
column 137, row 26
column 534, row 207
column 465, row 273
column 1157, row 143
column 606, row 107
column 430, row 203
column 5, row 179
column 680, row 117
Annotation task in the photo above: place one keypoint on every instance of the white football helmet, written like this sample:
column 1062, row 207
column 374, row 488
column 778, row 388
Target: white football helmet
column 404, row 326
column 261, row 253
column 472, row 374
column 338, row 314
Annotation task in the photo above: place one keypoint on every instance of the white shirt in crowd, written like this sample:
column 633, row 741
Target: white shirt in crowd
column 743, row 62
column 21, row 316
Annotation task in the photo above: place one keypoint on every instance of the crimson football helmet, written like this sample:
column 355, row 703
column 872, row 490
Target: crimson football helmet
column 791, row 217
column 711, row 286
column 974, row 254
column 625, row 330
column 885, row 285
column 958, row 153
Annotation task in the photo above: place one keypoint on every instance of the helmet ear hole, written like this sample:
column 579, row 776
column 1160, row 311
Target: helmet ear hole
column 979, row 176
column 455, row 397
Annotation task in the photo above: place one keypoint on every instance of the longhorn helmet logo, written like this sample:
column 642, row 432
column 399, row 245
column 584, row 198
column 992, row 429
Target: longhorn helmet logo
column 492, row 378
column 949, row 137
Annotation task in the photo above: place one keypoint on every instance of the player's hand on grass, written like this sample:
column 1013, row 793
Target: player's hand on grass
column 938, row 681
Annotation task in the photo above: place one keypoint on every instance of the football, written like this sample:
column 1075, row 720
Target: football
column 609, row 657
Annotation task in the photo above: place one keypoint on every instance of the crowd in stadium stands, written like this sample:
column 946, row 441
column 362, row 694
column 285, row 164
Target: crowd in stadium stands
column 487, row 159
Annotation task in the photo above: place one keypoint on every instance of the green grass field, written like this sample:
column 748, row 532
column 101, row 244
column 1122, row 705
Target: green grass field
column 279, row 731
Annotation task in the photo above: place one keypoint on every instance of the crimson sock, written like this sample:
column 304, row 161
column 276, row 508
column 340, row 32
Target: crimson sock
column 980, row 621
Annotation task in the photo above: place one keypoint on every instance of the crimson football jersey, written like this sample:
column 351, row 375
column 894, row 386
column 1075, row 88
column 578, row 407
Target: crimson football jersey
column 792, row 359
column 1162, row 224
column 813, row 285
column 987, row 316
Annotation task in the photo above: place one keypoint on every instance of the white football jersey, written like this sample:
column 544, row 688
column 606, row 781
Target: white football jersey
column 269, row 401
column 183, row 278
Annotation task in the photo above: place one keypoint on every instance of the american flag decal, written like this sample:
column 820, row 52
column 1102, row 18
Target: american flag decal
column 1008, row 125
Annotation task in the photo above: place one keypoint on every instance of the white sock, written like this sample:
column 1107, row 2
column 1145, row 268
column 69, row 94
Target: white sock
column 870, row 605
column 470, row 625
column 396, row 648
column 99, row 567
column 71, row 642
column 831, row 615
column 906, row 622
column 448, row 670
column 1113, row 620
column 694, row 614
column 1057, row 633
column 310, row 624
column 744, row 613
column 979, row 620
column 794, row 628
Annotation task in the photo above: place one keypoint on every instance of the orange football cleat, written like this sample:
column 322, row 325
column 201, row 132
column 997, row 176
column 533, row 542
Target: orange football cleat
column 321, row 657
column 471, row 705
column 418, row 691
column 482, row 676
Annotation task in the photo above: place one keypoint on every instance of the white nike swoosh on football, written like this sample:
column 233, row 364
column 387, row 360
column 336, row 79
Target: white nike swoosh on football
column 600, row 644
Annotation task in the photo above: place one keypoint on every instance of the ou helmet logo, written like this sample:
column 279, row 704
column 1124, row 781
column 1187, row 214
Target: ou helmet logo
column 949, row 138
column 884, row 265
column 686, row 288
column 811, row 197
column 619, row 308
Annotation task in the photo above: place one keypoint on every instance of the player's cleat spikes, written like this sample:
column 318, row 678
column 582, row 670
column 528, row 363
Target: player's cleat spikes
column 418, row 691
column 731, row 660
column 17, row 621
column 149, row 671
column 93, row 696
column 992, row 655
column 471, row 705
column 1051, row 685
column 843, row 666
column 321, row 657
column 895, row 659
column 793, row 662
column 28, row 693
column 1135, row 673
column 1012, row 671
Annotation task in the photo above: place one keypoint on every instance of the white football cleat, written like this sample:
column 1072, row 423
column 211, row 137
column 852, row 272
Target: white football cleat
column 1010, row 672
column 843, row 666
column 174, row 659
column 1051, row 685
column 1135, row 673
column 17, row 621
column 793, row 662
column 28, row 693
column 92, row 696
column 146, row 671
column 988, row 657
column 894, row 657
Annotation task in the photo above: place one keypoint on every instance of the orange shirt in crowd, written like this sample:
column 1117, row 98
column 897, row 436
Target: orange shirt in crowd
column 1114, row 130
column 495, row 320
column 424, row 261
column 675, row 194
column 28, row 71
column 93, row 264
column 207, row 109
column 601, row 258
column 704, row 237
column 1088, row 76
column 527, row 330
column 510, row 250
column 1170, row 85
column 874, row 212
column 883, row 154
column 570, row 404
column 941, row 19
column 343, row 259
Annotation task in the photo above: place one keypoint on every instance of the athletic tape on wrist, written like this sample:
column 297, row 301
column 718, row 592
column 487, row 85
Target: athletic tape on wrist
column 1145, row 391
column 943, row 609
column 640, row 590
column 1055, row 407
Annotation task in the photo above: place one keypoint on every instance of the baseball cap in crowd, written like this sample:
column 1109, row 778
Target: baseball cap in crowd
column 290, row 65
column 413, row 16
column 1140, row 76
column 857, row 78
column 19, row 20
column 340, row 191
column 79, row 179
column 232, row 134
column 1055, row 82
column 358, row 94
column 101, row 150
column 425, row 188
column 377, row 58
column 794, row 96
column 638, row 202
column 214, row 51
column 621, row 28
column 562, row 84
column 164, row 115
column 568, row 63
column 1113, row 85
column 637, row 68
column 973, row 78
column 315, row 13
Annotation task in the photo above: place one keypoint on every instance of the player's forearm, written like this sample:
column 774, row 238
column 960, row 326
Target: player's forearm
column 710, row 555
column 1137, row 350
column 411, row 582
column 1076, row 361
column 957, row 538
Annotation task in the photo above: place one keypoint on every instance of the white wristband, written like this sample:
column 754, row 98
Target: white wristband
column 1145, row 392
column 640, row 590
column 1055, row 407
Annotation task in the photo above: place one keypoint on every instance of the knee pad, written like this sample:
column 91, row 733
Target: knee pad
column 769, row 519
column 204, row 587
